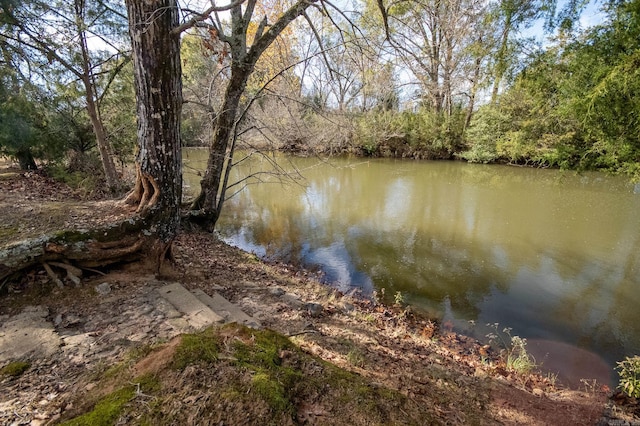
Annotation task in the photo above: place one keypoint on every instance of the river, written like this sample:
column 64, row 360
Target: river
column 553, row 255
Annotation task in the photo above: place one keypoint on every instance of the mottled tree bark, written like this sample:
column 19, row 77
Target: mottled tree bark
column 158, row 84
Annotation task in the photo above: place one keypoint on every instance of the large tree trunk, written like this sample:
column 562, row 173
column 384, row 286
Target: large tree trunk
column 158, row 192
column 474, row 92
column 209, row 202
column 25, row 159
column 157, row 73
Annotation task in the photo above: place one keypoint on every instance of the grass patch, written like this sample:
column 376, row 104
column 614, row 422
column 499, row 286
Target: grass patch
column 14, row 369
column 518, row 358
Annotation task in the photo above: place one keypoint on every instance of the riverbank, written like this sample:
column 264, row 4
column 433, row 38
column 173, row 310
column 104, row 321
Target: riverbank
column 363, row 362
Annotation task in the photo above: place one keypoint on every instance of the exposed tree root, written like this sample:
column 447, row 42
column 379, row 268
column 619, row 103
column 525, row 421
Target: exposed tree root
column 72, row 251
column 145, row 193
column 73, row 273
column 52, row 274
column 135, row 195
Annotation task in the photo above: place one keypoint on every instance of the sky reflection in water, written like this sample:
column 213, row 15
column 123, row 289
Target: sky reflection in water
column 551, row 254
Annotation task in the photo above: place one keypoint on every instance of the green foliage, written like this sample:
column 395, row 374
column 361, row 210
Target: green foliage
column 22, row 134
column 81, row 171
column 629, row 371
column 489, row 125
column 14, row 369
column 574, row 105
column 203, row 86
column 424, row 134
column 517, row 358
column 118, row 112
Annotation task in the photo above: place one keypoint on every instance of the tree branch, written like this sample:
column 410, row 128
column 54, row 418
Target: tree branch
column 201, row 16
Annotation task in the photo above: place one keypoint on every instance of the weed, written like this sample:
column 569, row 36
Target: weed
column 14, row 369
column 378, row 296
column 589, row 385
column 518, row 359
column 629, row 371
column 552, row 378
column 398, row 298
column 370, row 318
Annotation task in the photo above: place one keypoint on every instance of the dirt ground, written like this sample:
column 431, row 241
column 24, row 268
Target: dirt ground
column 115, row 318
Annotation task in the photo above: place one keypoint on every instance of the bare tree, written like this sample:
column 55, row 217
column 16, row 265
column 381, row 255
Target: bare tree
column 432, row 39
column 244, row 56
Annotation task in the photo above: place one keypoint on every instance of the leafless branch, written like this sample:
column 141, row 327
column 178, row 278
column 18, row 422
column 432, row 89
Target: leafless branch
column 202, row 16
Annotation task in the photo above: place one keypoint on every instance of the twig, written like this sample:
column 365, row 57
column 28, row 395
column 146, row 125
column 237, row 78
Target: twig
column 96, row 271
column 302, row 332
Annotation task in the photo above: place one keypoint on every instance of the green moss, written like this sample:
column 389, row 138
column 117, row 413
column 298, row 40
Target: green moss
column 6, row 232
column 71, row 236
column 265, row 370
column 272, row 392
column 107, row 411
column 148, row 383
column 142, row 351
column 14, row 369
column 113, row 371
column 264, row 348
column 272, row 381
column 195, row 348
column 281, row 385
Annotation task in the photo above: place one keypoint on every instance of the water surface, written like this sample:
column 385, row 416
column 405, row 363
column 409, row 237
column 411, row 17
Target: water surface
column 553, row 255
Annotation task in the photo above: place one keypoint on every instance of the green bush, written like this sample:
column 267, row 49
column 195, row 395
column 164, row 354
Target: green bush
column 423, row 134
column 488, row 125
column 629, row 371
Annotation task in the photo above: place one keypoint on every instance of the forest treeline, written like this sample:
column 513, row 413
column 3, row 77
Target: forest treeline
column 433, row 79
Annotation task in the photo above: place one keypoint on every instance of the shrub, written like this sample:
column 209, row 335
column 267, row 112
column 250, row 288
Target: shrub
column 629, row 371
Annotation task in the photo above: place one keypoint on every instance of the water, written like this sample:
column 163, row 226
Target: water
column 553, row 255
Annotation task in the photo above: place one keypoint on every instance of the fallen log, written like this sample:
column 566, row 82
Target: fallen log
column 76, row 249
